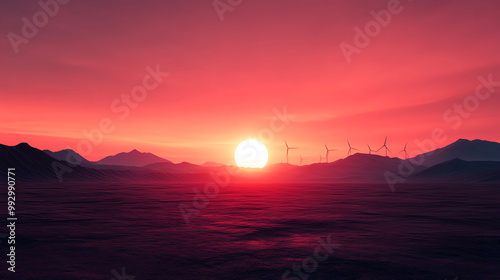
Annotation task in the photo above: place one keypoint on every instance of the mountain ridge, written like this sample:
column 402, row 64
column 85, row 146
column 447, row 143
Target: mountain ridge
column 132, row 158
column 464, row 149
column 358, row 168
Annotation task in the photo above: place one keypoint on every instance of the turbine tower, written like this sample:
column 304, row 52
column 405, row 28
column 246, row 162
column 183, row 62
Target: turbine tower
column 300, row 160
column 288, row 148
column 370, row 150
column 350, row 148
column 404, row 150
column 385, row 146
column 328, row 152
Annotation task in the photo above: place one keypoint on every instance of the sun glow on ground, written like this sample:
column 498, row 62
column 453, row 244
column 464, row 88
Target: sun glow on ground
column 251, row 153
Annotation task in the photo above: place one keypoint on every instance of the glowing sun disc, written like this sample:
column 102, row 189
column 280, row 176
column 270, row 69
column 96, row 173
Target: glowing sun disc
column 251, row 153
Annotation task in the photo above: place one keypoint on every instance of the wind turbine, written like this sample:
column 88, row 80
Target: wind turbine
column 404, row 150
column 300, row 160
column 385, row 146
column 370, row 150
column 288, row 148
column 350, row 148
column 327, row 152
column 320, row 158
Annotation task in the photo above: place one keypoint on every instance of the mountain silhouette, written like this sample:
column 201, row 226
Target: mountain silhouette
column 183, row 167
column 34, row 164
column 212, row 164
column 73, row 158
column 28, row 161
column 70, row 156
column 132, row 158
column 353, row 169
column 475, row 150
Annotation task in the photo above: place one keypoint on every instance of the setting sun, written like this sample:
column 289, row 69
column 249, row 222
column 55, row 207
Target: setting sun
column 251, row 153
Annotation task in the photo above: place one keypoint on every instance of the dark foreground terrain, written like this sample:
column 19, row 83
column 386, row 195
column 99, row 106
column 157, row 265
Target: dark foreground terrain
column 92, row 231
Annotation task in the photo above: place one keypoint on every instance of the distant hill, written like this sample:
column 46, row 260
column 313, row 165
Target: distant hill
column 475, row 150
column 32, row 164
column 74, row 158
column 183, row 167
column 29, row 162
column 69, row 156
column 212, row 164
column 366, row 168
column 36, row 165
column 355, row 168
column 132, row 158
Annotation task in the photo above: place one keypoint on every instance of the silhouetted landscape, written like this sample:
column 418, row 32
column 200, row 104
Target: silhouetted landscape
column 463, row 161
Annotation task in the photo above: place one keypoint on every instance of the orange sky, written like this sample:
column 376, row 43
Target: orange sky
column 226, row 77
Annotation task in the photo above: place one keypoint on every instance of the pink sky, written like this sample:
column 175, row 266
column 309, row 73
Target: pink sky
column 226, row 77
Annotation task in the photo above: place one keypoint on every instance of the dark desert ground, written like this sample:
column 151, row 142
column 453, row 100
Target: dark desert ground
column 249, row 231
